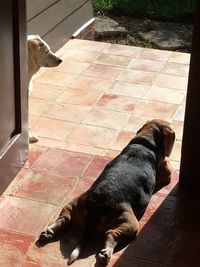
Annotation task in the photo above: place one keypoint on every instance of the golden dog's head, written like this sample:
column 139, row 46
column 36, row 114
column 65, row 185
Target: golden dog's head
column 41, row 53
column 160, row 132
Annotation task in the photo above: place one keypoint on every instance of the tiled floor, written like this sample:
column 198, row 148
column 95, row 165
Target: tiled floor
column 84, row 112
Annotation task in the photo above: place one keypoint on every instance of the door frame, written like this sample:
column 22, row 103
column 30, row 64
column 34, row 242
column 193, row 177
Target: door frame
column 189, row 169
column 14, row 154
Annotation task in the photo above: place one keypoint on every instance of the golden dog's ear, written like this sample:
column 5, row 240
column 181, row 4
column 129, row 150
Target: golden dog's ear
column 33, row 44
column 169, row 138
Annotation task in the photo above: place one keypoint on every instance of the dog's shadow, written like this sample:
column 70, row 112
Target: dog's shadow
column 70, row 237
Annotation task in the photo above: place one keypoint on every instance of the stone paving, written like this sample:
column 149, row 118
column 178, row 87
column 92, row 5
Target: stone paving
column 84, row 112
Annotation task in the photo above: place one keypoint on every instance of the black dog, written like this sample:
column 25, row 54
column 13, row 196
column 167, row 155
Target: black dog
column 120, row 195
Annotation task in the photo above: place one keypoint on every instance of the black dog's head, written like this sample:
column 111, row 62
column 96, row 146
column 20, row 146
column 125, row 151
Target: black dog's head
column 161, row 133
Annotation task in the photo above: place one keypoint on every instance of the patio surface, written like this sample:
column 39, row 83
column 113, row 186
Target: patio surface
column 84, row 112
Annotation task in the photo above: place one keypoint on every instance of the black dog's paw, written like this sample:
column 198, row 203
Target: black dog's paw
column 46, row 235
column 104, row 256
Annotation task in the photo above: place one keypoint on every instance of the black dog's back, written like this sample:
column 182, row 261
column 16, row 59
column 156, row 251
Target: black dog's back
column 130, row 178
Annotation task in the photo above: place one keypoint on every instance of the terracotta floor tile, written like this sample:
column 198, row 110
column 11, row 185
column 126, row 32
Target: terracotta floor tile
column 80, row 187
column 176, row 69
column 122, row 140
column 117, row 102
column 130, row 89
column 155, row 202
column 63, row 50
column 44, row 187
column 92, row 136
column 176, row 191
column 39, row 73
column 38, row 106
column 48, row 256
column 80, row 55
column 102, row 72
column 176, row 152
column 84, row 96
column 180, row 113
column 84, row 149
column 56, row 254
column 88, row 83
column 58, row 210
column 17, row 180
column 175, row 164
column 35, row 152
column 167, row 95
column 32, row 119
column 87, row 45
column 72, row 67
column 178, row 57
column 166, row 265
column 106, row 118
column 188, row 217
column 136, row 122
column 167, row 212
column 95, row 168
column 23, row 215
column 155, row 109
column 136, row 76
column 67, row 112
column 116, row 89
column 146, row 65
column 113, row 60
column 154, row 54
column 52, row 143
column 178, row 128
column 14, row 248
column 150, row 243
column 128, row 262
column 62, row 162
column 56, row 78
column 113, row 261
column 45, row 92
column 183, row 249
column 54, row 129
column 28, row 263
column 171, row 81
column 122, row 50
column 112, row 153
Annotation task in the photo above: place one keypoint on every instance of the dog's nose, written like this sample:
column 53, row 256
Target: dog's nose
column 59, row 60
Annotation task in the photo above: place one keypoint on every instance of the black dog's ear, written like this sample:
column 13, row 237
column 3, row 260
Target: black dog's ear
column 146, row 123
column 169, row 138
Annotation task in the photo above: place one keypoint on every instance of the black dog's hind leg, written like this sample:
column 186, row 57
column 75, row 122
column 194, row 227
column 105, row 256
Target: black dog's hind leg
column 63, row 219
column 126, row 230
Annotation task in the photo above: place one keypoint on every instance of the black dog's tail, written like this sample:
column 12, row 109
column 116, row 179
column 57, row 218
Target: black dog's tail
column 90, row 223
column 75, row 254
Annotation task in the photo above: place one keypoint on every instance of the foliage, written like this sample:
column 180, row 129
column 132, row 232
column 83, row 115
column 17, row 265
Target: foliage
column 156, row 9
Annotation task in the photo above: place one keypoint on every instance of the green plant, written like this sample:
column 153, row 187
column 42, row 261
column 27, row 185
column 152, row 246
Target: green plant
column 104, row 5
column 156, row 9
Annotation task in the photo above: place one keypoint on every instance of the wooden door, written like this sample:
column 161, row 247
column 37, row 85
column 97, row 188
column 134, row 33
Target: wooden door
column 13, row 90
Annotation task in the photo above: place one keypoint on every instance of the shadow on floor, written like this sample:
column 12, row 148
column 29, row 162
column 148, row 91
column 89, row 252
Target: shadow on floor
column 171, row 236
